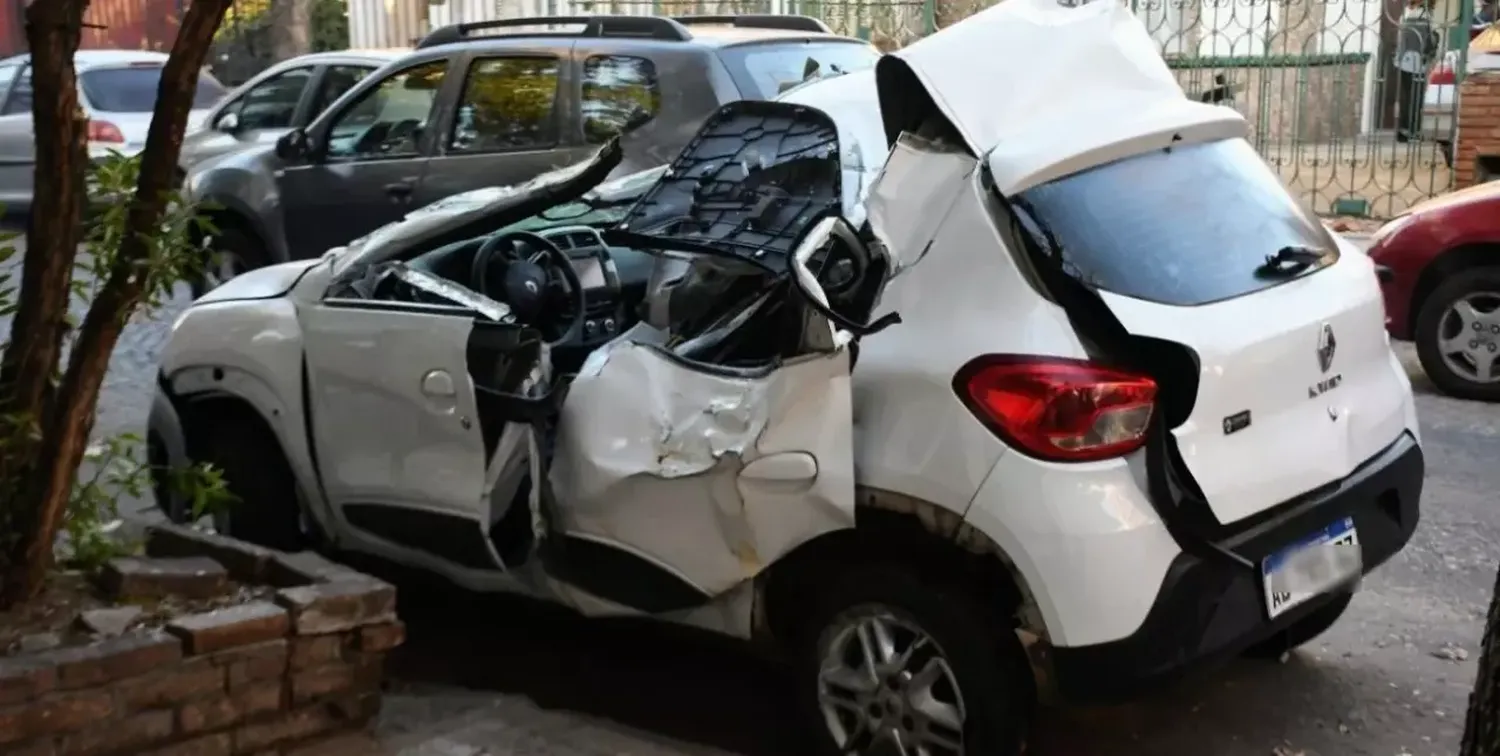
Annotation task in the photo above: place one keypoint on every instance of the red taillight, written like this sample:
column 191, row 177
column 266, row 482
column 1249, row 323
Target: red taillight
column 1442, row 74
column 104, row 131
column 1059, row 409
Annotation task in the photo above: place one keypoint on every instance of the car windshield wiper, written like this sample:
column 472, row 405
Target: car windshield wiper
column 1289, row 261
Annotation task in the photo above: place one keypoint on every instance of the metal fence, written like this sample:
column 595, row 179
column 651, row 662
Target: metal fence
column 1316, row 79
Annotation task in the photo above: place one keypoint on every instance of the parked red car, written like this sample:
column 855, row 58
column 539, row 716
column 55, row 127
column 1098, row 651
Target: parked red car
column 1442, row 287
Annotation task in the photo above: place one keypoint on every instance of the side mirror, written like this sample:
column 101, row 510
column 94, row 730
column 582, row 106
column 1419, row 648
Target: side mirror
column 229, row 123
column 292, row 145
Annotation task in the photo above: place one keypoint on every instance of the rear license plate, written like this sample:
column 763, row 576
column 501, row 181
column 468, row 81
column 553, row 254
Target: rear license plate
column 1311, row 567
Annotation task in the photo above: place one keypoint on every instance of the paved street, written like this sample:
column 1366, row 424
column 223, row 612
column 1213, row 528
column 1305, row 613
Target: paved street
column 486, row 676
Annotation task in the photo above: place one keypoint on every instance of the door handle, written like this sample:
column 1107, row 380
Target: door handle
column 438, row 384
column 399, row 191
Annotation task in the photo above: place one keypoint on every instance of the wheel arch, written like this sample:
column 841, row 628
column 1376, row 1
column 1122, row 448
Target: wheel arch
column 1447, row 263
column 895, row 528
column 228, row 212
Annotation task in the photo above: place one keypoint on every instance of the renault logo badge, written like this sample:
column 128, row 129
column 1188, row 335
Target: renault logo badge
column 1327, row 345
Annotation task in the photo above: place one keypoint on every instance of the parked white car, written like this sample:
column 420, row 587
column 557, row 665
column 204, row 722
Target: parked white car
column 117, row 92
column 1074, row 366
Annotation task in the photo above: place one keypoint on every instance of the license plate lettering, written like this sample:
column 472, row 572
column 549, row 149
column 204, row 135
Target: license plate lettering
column 1316, row 565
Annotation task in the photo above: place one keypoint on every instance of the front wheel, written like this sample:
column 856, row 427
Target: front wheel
column 890, row 663
column 1458, row 334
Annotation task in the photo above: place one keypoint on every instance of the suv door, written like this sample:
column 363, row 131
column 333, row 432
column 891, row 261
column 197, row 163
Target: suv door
column 510, row 124
column 366, row 161
column 259, row 115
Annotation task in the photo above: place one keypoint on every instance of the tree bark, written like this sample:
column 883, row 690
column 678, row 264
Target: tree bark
column 69, row 419
column 291, row 28
column 53, row 232
column 1482, row 725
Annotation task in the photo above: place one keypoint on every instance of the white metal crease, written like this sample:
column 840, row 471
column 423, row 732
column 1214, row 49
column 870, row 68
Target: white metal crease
column 650, row 454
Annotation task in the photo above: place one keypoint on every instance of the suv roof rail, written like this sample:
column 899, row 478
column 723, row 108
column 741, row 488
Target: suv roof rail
column 649, row 27
column 760, row 21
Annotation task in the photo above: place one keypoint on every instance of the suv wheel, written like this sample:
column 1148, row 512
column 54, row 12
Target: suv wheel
column 888, row 663
column 231, row 252
column 1458, row 334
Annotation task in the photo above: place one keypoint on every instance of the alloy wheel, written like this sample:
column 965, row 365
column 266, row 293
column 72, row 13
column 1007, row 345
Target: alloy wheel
column 1468, row 337
column 886, row 688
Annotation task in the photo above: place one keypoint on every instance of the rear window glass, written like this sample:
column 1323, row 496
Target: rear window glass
column 1183, row 226
column 766, row 70
column 133, row 89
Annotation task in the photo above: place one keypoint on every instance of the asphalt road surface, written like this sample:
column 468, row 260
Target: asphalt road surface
column 501, row 677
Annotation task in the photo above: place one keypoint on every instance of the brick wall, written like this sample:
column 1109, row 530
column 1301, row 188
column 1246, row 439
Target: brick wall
column 1478, row 126
column 265, row 678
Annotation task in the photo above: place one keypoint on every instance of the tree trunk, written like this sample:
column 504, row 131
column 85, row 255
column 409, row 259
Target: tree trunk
column 1482, row 725
column 68, row 418
column 291, row 29
column 53, row 233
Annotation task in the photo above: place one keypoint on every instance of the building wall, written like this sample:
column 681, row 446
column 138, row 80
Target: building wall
column 112, row 24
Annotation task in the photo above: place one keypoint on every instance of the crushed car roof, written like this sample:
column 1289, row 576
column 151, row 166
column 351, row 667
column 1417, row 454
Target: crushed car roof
column 1045, row 89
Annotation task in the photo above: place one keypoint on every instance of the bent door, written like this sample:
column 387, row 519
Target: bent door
column 395, row 426
column 676, row 479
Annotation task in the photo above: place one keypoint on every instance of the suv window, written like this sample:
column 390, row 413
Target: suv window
column 1181, row 226
column 507, row 104
column 766, row 70
column 336, row 81
column 387, row 119
column 272, row 103
column 620, row 94
column 20, row 94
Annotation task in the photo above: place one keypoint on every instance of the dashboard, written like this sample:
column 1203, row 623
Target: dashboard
column 614, row 282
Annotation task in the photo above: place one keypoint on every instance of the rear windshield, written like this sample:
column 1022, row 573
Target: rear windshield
column 133, row 89
column 763, row 71
column 1182, row 226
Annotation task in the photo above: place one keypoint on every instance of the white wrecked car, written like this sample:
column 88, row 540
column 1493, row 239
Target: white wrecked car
column 1086, row 371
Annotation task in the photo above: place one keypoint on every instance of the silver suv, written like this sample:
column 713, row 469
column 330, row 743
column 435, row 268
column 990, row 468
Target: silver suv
column 497, row 103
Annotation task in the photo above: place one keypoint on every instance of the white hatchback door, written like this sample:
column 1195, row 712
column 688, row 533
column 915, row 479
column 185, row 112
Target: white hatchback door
column 411, row 414
column 1158, row 207
column 677, row 477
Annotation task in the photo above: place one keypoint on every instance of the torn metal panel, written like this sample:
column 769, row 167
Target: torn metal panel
column 709, row 473
column 912, row 196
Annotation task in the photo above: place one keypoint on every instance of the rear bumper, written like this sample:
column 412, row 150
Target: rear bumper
column 1211, row 608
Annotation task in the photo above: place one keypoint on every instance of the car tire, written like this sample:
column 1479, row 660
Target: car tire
column 1474, row 284
column 1303, row 631
column 234, row 251
column 268, row 509
column 975, row 653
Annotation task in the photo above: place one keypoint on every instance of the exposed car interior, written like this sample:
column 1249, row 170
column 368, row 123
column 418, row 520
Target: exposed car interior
column 707, row 247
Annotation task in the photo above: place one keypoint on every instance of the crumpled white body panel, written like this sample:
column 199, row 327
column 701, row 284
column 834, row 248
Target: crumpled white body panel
column 710, row 475
column 1045, row 89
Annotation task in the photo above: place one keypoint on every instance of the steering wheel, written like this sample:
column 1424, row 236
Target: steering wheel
column 529, row 284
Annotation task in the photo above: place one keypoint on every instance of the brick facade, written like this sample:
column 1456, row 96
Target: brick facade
column 264, row 678
column 1478, row 126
